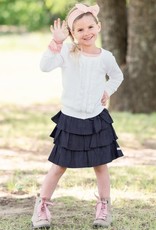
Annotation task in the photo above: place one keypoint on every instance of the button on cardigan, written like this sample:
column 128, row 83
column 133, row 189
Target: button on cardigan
column 84, row 79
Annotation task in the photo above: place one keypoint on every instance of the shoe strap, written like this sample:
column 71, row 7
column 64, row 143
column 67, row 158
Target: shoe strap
column 43, row 211
column 102, row 209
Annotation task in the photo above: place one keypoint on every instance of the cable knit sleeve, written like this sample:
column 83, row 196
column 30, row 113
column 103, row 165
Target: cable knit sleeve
column 115, row 75
column 51, row 60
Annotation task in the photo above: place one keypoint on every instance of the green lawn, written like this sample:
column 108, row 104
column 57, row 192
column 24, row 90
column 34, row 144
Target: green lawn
column 133, row 199
column 34, row 122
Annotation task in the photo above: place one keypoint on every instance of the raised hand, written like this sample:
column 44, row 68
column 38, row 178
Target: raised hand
column 59, row 31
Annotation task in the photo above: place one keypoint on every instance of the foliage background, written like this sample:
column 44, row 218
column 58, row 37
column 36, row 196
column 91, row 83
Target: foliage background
column 34, row 14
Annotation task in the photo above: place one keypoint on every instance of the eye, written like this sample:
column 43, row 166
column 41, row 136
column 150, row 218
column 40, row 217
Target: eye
column 80, row 30
column 90, row 27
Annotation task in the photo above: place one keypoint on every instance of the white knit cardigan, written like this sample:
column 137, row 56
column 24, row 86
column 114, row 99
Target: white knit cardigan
column 84, row 79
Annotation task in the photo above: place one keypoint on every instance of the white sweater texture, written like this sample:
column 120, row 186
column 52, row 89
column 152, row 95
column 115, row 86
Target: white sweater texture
column 84, row 79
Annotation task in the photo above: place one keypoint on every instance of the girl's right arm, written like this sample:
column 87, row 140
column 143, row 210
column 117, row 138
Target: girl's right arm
column 50, row 61
column 52, row 58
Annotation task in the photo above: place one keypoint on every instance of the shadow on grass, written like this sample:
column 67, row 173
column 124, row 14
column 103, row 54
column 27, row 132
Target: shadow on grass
column 74, row 214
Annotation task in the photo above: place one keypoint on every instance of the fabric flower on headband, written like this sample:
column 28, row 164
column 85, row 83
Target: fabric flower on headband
column 81, row 9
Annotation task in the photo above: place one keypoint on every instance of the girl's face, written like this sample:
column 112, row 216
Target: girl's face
column 85, row 31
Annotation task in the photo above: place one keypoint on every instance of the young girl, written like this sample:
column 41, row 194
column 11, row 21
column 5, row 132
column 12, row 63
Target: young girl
column 83, row 136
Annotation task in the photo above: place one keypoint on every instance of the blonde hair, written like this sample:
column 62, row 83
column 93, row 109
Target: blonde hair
column 75, row 48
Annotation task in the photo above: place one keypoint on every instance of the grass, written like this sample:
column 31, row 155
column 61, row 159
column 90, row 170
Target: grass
column 143, row 126
column 29, row 122
column 127, row 218
column 23, row 123
column 133, row 200
column 35, row 41
column 22, row 182
column 131, row 179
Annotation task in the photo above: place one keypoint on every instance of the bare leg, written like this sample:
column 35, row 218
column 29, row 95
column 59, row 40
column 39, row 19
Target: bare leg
column 103, row 206
column 103, row 181
column 51, row 180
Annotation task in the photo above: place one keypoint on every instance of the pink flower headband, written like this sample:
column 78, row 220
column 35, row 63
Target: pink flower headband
column 81, row 9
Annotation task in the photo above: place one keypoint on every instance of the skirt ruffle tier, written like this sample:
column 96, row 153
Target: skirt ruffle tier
column 80, row 143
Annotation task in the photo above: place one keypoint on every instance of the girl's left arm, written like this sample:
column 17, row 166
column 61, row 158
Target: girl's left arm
column 115, row 76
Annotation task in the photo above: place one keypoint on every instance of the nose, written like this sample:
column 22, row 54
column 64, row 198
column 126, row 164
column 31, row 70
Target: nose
column 86, row 32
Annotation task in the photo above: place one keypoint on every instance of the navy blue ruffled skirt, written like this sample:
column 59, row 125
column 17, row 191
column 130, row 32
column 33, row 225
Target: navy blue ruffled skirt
column 80, row 143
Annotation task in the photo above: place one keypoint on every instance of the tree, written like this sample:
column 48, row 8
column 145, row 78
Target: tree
column 33, row 15
column 114, row 25
column 141, row 56
column 113, row 17
column 137, row 93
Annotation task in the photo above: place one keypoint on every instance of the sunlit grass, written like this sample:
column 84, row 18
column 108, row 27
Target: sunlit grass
column 141, row 125
column 35, row 41
column 22, row 182
column 140, row 179
column 23, row 122
column 133, row 199
column 31, row 122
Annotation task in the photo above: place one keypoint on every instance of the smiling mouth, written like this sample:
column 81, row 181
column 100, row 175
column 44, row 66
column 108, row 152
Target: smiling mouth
column 88, row 39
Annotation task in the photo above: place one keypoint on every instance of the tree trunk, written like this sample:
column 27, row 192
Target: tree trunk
column 113, row 16
column 141, row 58
column 114, row 23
